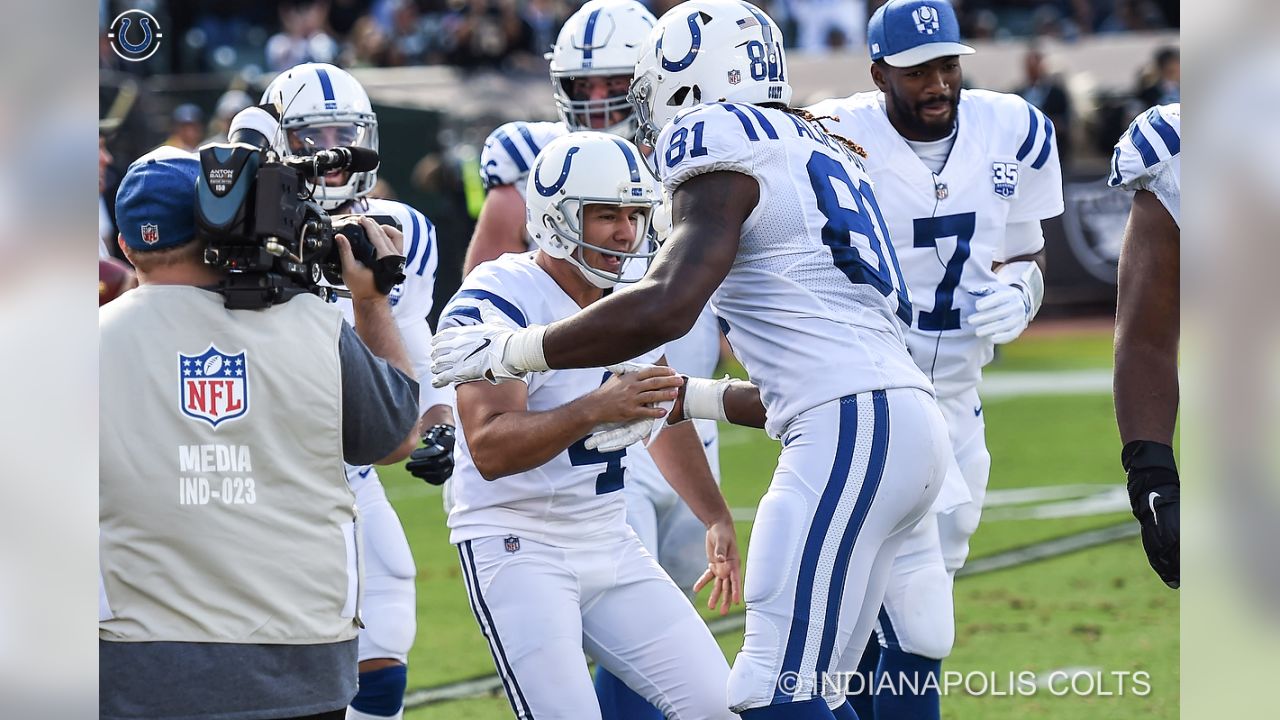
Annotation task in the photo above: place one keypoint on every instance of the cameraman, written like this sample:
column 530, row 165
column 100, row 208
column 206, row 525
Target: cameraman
column 229, row 578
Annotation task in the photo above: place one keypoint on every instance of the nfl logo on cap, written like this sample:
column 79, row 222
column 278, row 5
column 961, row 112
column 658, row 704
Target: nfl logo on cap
column 150, row 233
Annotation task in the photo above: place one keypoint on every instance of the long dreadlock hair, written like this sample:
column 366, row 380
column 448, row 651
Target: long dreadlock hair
column 803, row 114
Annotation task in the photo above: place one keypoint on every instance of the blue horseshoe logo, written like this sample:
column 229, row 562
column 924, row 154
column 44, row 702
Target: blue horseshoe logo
column 687, row 60
column 548, row 191
column 124, row 35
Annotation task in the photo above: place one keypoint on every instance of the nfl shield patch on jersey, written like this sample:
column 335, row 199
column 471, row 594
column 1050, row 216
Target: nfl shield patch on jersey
column 511, row 543
column 215, row 385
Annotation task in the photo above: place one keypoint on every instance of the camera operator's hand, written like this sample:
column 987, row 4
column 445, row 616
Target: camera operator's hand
column 367, row 283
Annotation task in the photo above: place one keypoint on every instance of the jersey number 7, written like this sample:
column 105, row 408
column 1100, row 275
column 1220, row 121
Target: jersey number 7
column 944, row 315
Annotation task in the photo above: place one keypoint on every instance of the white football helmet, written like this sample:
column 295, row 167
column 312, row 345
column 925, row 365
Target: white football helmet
column 706, row 51
column 589, row 168
column 321, row 107
column 603, row 38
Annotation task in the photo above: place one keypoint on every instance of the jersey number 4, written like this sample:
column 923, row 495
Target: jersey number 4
column 612, row 478
column 945, row 315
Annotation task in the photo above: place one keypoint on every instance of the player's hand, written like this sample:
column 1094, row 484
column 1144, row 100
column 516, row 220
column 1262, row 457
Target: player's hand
column 724, row 567
column 361, row 280
column 618, row 435
column 634, row 395
column 434, row 461
column 1002, row 313
column 1154, row 499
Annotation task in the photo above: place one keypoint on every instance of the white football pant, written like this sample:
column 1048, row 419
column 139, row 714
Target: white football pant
column 854, row 476
column 541, row 606
column 387, row 604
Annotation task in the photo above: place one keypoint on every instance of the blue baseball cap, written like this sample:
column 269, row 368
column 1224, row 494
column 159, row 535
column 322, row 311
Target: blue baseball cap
column 156, row 202
column 906, row 33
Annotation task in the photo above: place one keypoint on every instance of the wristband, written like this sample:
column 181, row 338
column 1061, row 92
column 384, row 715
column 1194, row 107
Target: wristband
column 524, row 351
column 1026, row 275
column 1147, row 454
column 704, row 398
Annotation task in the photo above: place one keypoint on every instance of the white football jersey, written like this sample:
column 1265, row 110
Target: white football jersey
column 509, row 151
column 814, row 303
column 573, row 499
column 1148, row 157
column 411, row 303
column 948, row 228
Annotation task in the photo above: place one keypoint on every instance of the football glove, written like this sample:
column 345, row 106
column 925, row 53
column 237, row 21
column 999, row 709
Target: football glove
column 491, row 350
column 615, row 436
column 1002, row 313
column 1153, row 496
column 434, row 461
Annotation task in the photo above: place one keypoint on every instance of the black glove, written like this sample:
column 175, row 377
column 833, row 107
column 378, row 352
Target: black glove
column 434, row 461
column 1153, row 496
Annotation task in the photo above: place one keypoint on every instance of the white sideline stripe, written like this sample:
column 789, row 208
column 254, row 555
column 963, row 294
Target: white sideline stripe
column 1058, row 382
column 1109, row 500
column 1023, row 495
column 492, row 685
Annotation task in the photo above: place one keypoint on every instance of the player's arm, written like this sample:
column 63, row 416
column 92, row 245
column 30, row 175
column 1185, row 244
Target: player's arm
column 677, row 451
column 1146, row 344
column 1010, row 306
column 499, row 229
column 505, row 437
column 708, row 212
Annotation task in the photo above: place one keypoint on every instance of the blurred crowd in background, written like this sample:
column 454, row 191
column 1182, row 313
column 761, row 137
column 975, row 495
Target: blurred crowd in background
column 233, row 35
column 218, row 54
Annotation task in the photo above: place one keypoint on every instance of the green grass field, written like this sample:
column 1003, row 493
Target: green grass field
column 1100, row 610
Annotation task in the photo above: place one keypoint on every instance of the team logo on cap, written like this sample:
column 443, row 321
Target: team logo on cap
column 926, row 19
column 150, row 233
column 215, row 385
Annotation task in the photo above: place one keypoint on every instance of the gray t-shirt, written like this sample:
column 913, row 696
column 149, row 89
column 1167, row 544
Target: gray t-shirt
column 223, row 681
column 375, row 413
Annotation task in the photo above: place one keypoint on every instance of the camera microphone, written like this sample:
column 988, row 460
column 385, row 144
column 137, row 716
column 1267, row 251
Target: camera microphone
column 355, row 159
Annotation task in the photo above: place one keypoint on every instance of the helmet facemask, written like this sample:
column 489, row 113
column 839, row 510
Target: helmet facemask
column 568, row 224
column 578, row 114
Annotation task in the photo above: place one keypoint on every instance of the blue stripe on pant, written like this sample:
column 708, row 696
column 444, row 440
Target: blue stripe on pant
column 822, row 526
column 472, row 580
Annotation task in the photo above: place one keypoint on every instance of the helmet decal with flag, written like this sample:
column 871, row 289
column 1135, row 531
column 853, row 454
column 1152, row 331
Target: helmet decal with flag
column 321, row 107
column 590, row 168
column 602, row 39
column 708, row 51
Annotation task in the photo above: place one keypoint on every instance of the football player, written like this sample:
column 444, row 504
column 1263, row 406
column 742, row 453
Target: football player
column 776, row 222
column 550, row 564
column 1147, row 160
column 321, row 107
column 591, row 66
column 964, row 178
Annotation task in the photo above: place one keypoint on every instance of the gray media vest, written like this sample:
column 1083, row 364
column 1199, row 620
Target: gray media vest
column 225, row 514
